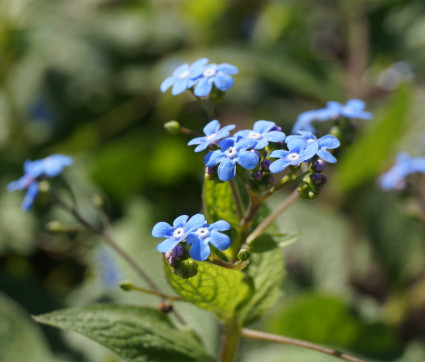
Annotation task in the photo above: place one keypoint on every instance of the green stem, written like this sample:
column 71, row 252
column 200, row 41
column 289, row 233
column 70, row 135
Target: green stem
column 272, row 217
column 128, row 286
column 239, row 265
column 236, row 199
column 262, row 336
column 229, row 341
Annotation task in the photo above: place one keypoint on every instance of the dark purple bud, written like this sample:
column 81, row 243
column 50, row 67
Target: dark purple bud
column 178, row 252
column 324, row 180
column 319, row 165
column 257, row 153
column 257, row 175
column 276, row 128
column 265, row 165
column 316, row 178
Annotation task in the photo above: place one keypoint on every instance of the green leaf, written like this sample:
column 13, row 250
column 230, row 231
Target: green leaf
column 214, row 288
column 20, row 339
column 218, row 202
column 270, row 241
column 363, row 161
column 133, row 333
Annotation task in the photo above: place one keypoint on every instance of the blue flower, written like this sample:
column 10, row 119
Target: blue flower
column 205, row 235
column 297, row 154
column 263, row 132
column 50, row 166
column 177, row 233
column 184, row 77
column 233, row 150
column 109, row 272
column 324, row 143
column 218, row 75
column 213, row 133
column 353, row 109
column 405, row 165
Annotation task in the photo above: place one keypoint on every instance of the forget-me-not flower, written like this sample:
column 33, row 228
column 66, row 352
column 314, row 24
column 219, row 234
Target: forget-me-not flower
column 297, row 154
column 263, row 132
column 405, row 165
column 324, row 143
column 205, row 235
column 184, row 77
column 213, row 134
column 218, row 75
column 233, row 150
column 177, row 233
column 50, row 166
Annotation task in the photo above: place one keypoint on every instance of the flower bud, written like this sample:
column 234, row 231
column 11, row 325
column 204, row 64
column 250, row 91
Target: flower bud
column 165, row 307
column 318, row 165
column 55, row 227
column 172, row 127
column 44, row 186
column 126, row 285
column 180, row 253
column 276, row 128
column 316, row 178
column 244, row 255
column 257, row 175
column 186, row 269
column 265, row 165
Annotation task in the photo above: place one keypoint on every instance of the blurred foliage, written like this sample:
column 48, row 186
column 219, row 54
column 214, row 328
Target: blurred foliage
column 82, row 77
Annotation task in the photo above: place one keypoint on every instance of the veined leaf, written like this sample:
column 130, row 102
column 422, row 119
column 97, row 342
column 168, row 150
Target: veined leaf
column 214, row 288
column 270, row 241
column 134, row 333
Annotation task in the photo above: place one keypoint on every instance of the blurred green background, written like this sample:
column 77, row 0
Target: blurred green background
column 82, row 77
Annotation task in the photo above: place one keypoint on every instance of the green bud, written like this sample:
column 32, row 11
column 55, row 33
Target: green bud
column 44, row 186
column 172, row 127
column 244, row 255
column 336, row 132
column 186, row 269
column 126, row 285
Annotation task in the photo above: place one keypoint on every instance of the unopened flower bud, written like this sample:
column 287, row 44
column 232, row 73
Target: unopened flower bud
column 257, row 175
column 275, row 128
column 44, row 186
column 179, row 252
column 265, row 165
column 316, row 178
column 186, row 269
column 244, row 255
column 318, row 165
column 172, row 127
column 126, row 285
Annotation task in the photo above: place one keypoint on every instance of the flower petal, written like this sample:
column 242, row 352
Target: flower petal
column 326, row 156
column 219, row 240
column 279, row 154
column 167, row 245
column 179, row 86
column 180, row 221
column 220, row 225
column 278, row 166
column 223, row 81
column 274, row 136
column 204, row 87
column 226, row 169
column 262, row 126
column 213, row 158
column 247, row 159
column 30, row 196
column 200, row 249
column 197, row 68
column 180, row 69
column 167, row 83
column 211, row 127
column 195, row 222
column 227, row 68
column 329, row 141
column 162, row 230
column 196, row 141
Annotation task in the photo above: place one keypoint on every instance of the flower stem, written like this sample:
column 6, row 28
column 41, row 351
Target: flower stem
column 272, row 217
column 127, row 286
column 229, row 341
column 236, row 199
column 262, row 336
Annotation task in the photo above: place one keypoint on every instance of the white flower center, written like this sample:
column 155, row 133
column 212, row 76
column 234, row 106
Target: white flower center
column 202, row 232
column 293, row 156
column 209, row 72
column 178, row 233
column 184, row 74
column 211, row 137
column 254, row 135
column 231, row 152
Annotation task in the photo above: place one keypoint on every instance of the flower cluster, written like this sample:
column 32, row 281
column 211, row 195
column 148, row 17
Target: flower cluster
column 243, row 149
column 202, row 77
column 405, row 165
column 193, row 232
column 353, row 109
column 50, row 166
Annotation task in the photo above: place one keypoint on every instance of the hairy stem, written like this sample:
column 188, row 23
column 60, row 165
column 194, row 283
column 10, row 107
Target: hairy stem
column 272, row 217
column 262, row 336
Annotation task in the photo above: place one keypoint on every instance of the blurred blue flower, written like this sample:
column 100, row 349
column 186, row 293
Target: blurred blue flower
column 109, row 272
column 405, row 165
column 50, row 166
column 233, row 150
column 213, row 133
column 353, row 109
column 177, row 233
column 263, row 132
column 184, row 77
column 205, row 235
column 218, row 75
column 297, row 154
column 324, row 143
